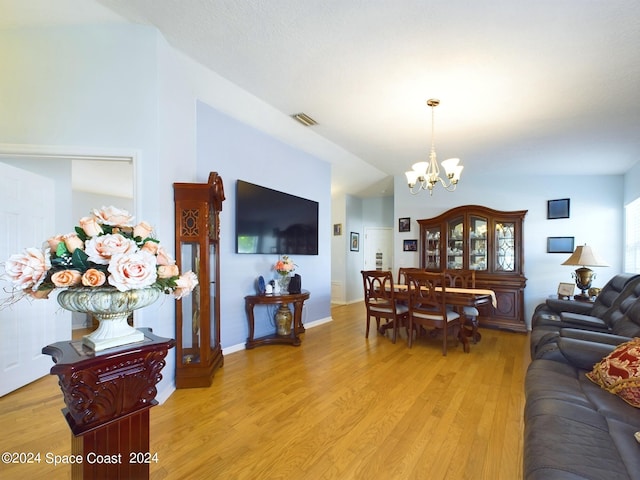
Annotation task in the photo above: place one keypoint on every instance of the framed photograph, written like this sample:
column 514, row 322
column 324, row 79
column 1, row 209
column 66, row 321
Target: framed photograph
column 355, row 242
column 404, row 224
column 410, row 245
column 558, row 208
column 566, row 289
column 337, row 229
column 559, row 244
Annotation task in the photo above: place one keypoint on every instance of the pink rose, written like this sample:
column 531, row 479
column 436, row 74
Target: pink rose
column 73, row 241
column 132, row 271
column 93, row 278
column 151, row 247
column 163, row 257
column 142, row 230
column 101, row 249
column 28, row 269
column 185, row 285
column 66, row 278
column 54, row 241
column 168, row 271
column 90, row 226
column 113, row 216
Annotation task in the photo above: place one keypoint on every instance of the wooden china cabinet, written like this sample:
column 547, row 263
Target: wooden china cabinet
column 197, row 230
column 485, row 240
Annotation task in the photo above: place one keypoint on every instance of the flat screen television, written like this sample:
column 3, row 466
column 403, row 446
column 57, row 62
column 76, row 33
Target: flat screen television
column 273, row 222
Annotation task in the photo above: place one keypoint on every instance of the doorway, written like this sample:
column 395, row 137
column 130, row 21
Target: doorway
column 378, row 248
column 36, row 190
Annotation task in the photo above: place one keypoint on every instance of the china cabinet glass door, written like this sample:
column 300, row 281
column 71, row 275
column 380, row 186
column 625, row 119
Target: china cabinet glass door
column 477, row 243
column 455, row 247
column 214, row 310
column 432, row 248
column 505, row 245
column 190, row 307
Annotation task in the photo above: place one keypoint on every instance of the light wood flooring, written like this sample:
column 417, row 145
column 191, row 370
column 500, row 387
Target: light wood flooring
column 338, row 407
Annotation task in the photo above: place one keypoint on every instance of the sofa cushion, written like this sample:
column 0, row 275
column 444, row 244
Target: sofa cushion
column 619, row 372
column 557, row 447
column 574, row 429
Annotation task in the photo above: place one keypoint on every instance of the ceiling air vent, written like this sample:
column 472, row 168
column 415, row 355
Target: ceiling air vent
column 304, row 119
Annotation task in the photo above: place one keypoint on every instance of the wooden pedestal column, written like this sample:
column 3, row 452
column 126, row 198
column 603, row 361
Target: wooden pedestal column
column 108, row 396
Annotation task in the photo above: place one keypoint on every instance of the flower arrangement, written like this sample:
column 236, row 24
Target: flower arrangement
column 284, row 266
column 105, row 250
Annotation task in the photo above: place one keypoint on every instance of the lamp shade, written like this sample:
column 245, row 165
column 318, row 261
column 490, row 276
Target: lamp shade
column 585, row 257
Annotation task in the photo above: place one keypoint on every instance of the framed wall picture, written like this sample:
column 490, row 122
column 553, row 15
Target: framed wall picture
column 559, row 244
column 337, row 229
column 558, row 208
column 410, row 245
column 404, row 224
column 355, row 242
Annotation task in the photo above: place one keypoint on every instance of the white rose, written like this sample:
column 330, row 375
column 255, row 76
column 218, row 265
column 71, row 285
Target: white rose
column 28, row 269
column 113, row 216
column 185, row 285
column 102, row 248
column 132, row 271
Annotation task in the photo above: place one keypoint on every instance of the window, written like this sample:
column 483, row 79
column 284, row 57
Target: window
column 632, row 240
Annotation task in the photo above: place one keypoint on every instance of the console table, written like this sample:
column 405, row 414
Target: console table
column 297, row 299
column 108, row 395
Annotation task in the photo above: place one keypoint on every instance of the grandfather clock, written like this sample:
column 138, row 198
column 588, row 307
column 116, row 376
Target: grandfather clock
column 198, row 349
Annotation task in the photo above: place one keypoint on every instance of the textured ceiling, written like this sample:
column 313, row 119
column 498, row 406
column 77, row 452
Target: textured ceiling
column 551, row 85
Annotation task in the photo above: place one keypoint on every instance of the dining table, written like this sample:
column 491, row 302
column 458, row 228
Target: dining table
column 458, row 298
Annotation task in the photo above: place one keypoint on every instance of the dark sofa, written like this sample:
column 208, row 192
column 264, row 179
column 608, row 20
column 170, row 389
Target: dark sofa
column 610, row 313
column 574, row 429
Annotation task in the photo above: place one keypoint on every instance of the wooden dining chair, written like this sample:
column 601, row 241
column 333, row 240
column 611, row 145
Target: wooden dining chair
column 427, row 306
column 465, row 279
column 402, row 274
column 380, row 300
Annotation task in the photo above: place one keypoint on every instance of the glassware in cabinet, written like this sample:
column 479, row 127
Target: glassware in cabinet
column 477, row 243
column 455, row 243
column 432, row 249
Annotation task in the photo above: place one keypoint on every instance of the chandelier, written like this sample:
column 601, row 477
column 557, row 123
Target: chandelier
column 426, row 175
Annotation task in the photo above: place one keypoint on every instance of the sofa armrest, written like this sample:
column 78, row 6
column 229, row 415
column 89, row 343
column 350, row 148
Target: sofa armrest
column 559, row 305
column 582, row 354
column 583, row 321
column 590, row 336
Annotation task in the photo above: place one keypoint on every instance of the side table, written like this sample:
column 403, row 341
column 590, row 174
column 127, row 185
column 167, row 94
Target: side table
column 108, row 395
column 297, row 299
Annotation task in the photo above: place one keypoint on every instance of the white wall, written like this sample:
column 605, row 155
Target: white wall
column 339, row 249
column 596, row 219
column 359, row 214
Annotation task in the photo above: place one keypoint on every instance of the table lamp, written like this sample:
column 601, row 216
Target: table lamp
column 584, row 257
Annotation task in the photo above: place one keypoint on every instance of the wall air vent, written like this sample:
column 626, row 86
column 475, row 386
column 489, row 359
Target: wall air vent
column 304, row 119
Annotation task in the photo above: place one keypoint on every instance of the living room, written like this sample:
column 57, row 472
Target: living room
column 122, row 89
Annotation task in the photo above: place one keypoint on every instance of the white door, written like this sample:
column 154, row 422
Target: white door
column 26, row 220
column 378, row 248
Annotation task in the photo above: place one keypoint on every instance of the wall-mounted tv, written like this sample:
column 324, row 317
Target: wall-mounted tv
column 273, row 222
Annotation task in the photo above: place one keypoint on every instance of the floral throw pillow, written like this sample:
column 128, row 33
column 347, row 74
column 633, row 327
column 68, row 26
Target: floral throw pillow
column 619, row 372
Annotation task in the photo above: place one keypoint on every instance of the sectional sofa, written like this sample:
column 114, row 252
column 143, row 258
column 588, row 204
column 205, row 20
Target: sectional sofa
column 582, row 413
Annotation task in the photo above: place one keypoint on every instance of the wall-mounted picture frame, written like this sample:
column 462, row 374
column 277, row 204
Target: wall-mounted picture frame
column 404, row 224
column 410, row 245
column 354, row 243
column 558, row 208
column 560, row 244
column 337, row 229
